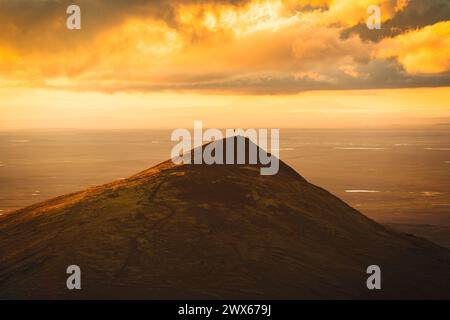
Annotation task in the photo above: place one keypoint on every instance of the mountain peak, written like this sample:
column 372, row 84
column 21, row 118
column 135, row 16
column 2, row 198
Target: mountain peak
column 233, row 150
column 211, row 231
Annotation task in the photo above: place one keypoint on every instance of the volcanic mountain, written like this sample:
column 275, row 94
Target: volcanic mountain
column 211, row 231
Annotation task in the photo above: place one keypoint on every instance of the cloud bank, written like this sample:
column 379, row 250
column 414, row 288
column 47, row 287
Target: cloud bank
column 244, row 46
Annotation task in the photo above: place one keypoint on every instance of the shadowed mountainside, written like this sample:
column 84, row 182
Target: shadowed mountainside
column 435, row 233
column 211, row 231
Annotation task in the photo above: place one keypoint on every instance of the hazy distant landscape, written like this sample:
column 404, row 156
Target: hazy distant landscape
column 391, row 175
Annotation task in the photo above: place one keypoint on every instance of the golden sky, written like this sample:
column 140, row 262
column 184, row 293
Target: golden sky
column 277, row 63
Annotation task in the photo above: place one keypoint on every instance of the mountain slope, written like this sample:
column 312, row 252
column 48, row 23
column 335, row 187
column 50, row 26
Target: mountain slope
column 219, row 231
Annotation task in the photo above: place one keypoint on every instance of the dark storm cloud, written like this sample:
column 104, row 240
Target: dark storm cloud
column 417, row 14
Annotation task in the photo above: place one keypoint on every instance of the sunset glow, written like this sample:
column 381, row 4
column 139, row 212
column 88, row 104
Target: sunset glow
column 209, row 58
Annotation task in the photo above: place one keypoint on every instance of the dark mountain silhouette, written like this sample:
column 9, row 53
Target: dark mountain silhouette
column 211, row 231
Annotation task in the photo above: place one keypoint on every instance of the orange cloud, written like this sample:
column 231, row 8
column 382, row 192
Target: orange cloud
column 263, row 46
column 421, row 51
